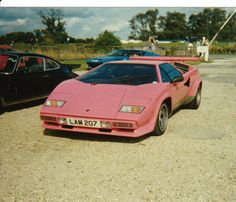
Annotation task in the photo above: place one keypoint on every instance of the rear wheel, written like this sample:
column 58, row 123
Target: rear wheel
column 196, row 101
column 162, row 120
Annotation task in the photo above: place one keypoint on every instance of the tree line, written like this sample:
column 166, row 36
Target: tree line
column 175, row 25
column 54, row 32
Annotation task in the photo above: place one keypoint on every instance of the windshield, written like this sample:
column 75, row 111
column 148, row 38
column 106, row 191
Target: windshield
column 7, row 63
column 125, row 74
column 120, row 53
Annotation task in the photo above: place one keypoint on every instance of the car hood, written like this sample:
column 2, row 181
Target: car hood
column 108, row 58
column 100, row 100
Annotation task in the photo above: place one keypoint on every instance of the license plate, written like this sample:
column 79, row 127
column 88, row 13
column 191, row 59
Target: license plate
column 83, row 122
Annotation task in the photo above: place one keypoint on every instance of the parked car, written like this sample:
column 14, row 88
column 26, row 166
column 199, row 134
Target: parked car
column 122, row 54
column 123, row 98
column 29, row 76
column 4, row 48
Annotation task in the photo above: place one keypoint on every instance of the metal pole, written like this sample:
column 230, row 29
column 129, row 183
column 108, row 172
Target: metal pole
column 222, row 27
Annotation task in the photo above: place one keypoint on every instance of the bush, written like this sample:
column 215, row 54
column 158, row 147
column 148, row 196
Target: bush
column 107, row 39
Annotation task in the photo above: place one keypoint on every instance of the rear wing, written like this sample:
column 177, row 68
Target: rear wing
column 164, row 58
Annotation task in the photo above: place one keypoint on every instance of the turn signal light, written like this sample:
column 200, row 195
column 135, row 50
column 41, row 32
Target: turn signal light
column 48, row 118
column 122, row 125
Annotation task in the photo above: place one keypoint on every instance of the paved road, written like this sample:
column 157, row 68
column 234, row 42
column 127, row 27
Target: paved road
column 195, row 160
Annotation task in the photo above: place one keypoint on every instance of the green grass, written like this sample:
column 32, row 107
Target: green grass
column 78, row 53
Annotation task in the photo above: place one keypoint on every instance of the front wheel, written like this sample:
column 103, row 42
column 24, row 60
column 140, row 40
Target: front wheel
column 162, row 120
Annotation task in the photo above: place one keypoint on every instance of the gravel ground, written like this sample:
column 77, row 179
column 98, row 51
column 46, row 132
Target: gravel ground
column 195, row 160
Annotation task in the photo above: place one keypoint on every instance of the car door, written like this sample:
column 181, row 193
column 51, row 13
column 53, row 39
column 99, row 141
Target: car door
column 31, row 79
column 8, row 63
column 178, row 89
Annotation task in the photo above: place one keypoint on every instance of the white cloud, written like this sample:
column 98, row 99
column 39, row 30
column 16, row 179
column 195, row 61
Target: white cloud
column 17, row 22
column 21, row 22
column 86, row 28
column 72, row 21
column 115, row 27
column 80, row 22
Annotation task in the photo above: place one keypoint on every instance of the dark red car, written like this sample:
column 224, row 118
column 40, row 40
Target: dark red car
column 4, row 48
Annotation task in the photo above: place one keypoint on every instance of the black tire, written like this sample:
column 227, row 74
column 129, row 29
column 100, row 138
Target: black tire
column 162, row 120
column 1, row 105
column 196, row 101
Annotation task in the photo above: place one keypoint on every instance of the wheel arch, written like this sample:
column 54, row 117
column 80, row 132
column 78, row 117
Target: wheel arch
column 167, row 99
column 195, row 87
column 200, row 84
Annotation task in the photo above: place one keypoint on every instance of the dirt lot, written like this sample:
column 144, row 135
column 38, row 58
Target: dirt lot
column 195, row 160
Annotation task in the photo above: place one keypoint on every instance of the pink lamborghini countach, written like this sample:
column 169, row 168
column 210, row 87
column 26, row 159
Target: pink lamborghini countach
column 124, row 98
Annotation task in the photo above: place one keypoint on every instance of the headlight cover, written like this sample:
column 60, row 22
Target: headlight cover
column 131, row 109
column 54, row 103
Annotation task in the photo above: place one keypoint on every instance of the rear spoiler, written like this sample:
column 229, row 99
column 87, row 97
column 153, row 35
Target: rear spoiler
column 164, row 58
column 72, row 66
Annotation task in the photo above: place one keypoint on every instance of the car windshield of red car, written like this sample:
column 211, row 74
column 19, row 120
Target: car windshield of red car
column 124, row 74
column 7, row 63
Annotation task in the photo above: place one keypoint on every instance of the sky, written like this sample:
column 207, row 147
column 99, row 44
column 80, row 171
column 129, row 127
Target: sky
column 81, row 22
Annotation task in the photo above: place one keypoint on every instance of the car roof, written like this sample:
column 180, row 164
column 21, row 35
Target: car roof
column 147, row 62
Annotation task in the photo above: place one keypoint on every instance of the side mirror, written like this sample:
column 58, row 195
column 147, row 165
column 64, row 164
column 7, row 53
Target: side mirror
column 177, row 79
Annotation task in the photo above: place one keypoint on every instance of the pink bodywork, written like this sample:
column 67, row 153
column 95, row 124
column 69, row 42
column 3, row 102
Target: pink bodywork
column 102, row 102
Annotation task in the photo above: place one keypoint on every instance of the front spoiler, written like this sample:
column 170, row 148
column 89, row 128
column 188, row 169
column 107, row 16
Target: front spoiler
column 136, row 131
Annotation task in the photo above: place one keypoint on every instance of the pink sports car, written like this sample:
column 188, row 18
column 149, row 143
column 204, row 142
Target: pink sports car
column 124, row 98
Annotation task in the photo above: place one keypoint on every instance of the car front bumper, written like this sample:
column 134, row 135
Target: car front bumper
column 52, row 122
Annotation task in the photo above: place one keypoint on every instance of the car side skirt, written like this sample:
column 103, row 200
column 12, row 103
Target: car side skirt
column 6, row 104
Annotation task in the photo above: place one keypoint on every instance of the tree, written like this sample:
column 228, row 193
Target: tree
column 85, row 41
column 218, row 17
column 172, row 26
column 38, row 35
column 18, row 37
column 207, row 22
column 106, row 39
column 143, row 25
column 54, row 26
column 228, row 33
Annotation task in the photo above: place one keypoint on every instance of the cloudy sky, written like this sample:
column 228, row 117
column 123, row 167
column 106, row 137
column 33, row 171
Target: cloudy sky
column 80, row 22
